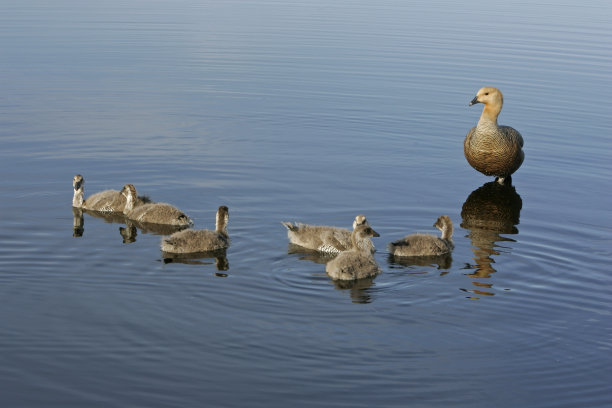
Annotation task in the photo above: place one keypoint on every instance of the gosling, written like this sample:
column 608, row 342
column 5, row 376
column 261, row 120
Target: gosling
column 426, row 244
column 191, row 241
column 357, row 262
column 489, row 148
column 107, row 201
column 152, row 213
column 323, row 238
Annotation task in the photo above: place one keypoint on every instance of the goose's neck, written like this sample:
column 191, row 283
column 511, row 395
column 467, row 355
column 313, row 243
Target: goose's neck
column 357, row 242
column 489, row 115
column 77, row 198
column 354, row 241
column 221, row 225
column 129, row 202
column 447, row 231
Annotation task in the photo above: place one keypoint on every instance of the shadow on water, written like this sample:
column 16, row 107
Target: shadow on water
column 489, row 211
column 196, row 258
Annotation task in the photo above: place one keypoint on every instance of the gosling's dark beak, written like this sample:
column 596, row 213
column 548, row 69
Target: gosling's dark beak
column 77, row 185
column 474, row 101
column 376, row 234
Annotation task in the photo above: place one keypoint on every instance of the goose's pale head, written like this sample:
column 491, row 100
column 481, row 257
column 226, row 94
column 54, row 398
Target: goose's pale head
column 488, row 95
column 493, row 101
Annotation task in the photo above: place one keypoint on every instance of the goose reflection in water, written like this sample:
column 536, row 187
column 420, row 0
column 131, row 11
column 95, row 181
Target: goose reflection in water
column 489, row 211
column 196, row 258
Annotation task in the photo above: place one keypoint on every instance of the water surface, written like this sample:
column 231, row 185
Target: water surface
column 312, row 112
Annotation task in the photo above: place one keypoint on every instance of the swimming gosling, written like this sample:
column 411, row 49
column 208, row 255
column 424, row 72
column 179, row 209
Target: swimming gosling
column 106, row 201
column 152, row 213
column 190, row 241
column 426, row 244
column 357, row 262
column 324, row 238
column 491, row 149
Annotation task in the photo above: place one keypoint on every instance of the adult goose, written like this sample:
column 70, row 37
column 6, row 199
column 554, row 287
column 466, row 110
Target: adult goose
column 489, row 148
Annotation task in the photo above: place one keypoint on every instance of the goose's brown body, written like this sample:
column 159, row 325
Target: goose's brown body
column 489, row 148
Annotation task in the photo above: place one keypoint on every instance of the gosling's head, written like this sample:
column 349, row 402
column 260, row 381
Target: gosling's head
column 364, row 231
column 360, row 220
column 129, row 191
column 77, row 182
column 488, row 95
column 443, row 221
column 223, row 212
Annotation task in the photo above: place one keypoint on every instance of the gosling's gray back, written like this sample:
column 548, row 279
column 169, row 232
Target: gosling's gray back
column 192, row 241
column 152, row 213
column 159, row 213
column 107, row 201
column 355, row 263
column 426, row 244
column 325, row 238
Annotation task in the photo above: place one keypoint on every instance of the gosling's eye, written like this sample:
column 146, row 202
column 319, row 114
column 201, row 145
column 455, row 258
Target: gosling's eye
column 486, row 93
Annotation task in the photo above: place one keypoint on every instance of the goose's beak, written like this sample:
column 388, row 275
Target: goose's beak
column 474, row 101
column 376, row 234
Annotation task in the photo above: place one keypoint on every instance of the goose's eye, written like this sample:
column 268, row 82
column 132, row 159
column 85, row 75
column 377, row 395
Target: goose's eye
column 486, row 93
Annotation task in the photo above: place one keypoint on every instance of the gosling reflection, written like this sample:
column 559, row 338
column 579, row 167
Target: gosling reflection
column 489, row 211
column 358, row 289
column 128, row 233
column 77, row 222
column 108, row 217
column 438, row 261
column 156, row 229
column 196, row 258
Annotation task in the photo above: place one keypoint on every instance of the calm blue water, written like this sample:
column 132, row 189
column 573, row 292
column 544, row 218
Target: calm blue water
column 314, row 112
